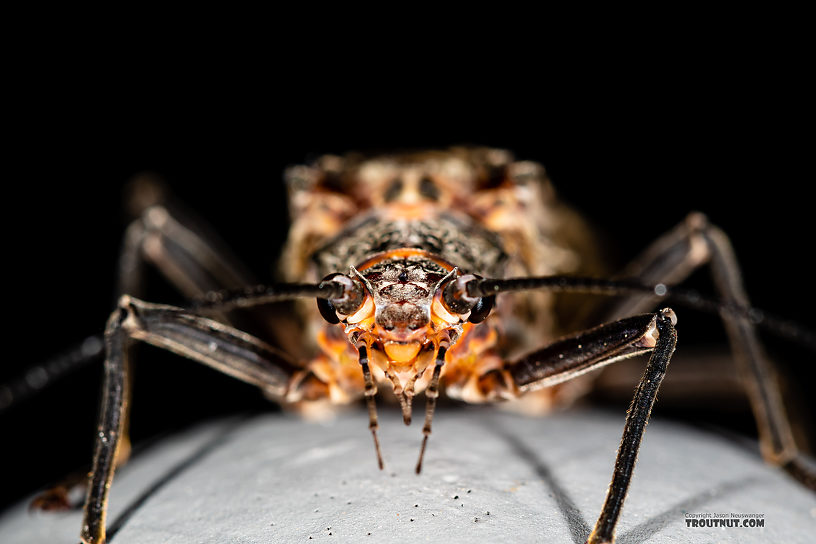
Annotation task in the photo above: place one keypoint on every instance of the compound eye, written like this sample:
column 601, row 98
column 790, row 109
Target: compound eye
column 327, row 311
column 482, row 309
column 347, row 303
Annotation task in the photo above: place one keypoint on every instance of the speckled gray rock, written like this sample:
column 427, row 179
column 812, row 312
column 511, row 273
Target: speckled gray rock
column 489, row 477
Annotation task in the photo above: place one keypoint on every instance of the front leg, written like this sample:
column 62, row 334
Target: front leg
column 671, row 259
column 592, row 349
column 217, row 345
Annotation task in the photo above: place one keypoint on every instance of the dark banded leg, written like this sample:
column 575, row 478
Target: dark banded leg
column 576, row 355
column 431, row 394
column 371, row 402
column 206, row 341
column 670, row 260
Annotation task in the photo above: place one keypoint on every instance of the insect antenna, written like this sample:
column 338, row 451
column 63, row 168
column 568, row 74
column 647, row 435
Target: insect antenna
column 370, row 395
column 467, row 291
column 264, row 294
column 48, row 372
column 431, row 394
column 40, row 376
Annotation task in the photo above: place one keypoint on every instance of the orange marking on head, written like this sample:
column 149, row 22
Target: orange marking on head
column 403, row 253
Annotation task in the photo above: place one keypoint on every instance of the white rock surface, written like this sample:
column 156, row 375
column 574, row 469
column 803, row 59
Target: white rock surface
column 488, row 477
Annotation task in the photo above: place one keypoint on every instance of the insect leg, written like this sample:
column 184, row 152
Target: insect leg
column 178, row 244
column 431, row 394
column 220, row 346
column 371, row 402
column 182, row 250
column 671, row 259
column 195, row 261
column 581, row 353
column 185, row 252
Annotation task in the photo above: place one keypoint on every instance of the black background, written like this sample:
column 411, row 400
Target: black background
column 636, row 155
